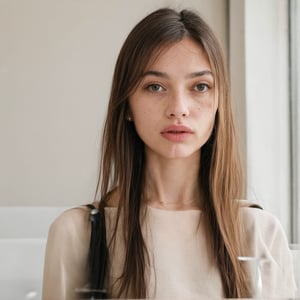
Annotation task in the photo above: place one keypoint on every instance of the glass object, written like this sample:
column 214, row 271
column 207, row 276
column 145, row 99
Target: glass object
column 254, row 280
column 295, row 250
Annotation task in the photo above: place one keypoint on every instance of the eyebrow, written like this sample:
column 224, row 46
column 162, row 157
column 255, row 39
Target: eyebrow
column 191, row 75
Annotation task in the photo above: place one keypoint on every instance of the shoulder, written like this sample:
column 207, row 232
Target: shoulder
column 70, row 217
column 71, row 224
column 253, row 215
column 66, row 254
column 261, row 225
column 265, row 239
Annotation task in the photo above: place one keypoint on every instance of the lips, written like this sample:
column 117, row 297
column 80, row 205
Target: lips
column 177, row 133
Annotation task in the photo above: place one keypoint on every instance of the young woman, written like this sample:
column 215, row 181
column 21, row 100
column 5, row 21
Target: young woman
column 169, row 183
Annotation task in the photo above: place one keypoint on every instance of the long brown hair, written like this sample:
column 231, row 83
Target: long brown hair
column 123, row 162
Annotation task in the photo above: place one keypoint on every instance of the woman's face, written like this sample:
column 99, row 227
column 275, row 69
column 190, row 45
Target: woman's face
column 174, row 105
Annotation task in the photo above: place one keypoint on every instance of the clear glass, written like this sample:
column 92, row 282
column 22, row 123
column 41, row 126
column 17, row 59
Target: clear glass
column 252, row 265
column 295, row 249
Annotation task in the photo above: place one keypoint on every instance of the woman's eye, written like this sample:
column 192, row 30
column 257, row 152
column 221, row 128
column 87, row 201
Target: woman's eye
column 154, row 87
column 202, row 87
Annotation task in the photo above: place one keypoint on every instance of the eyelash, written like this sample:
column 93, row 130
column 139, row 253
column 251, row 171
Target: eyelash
column 207, row 87
column 149, row 87
column 159, row 88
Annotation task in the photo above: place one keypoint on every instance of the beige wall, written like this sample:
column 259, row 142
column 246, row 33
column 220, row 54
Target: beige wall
column 56, row 64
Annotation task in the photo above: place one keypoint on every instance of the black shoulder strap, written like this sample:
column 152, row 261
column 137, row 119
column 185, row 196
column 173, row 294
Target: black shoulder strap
column 98, row 253
column 247, row 203
column 254, row 205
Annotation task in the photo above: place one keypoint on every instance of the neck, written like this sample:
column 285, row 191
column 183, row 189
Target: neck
column 172, row 184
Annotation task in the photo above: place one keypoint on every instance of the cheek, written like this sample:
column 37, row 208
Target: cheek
column 144, row 111
column 206, row 110
column 141, row 114
column 209, row 103
column 144, row 120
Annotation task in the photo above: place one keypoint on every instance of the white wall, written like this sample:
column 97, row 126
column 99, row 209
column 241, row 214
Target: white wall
column 56, row 64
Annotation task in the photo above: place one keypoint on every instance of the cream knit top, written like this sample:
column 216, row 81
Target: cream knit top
column 180, row 266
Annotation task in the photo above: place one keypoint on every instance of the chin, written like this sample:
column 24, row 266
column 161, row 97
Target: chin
column 179, row 153
column 180, row 156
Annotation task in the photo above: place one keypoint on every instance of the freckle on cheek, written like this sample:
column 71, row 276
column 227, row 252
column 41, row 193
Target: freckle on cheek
column 205, row 106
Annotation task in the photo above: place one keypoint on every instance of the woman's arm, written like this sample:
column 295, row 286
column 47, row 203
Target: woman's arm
column 67, row 248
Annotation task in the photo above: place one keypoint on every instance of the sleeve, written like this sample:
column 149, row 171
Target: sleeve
column 65, row 266
column 270, row 245
column 278, row 263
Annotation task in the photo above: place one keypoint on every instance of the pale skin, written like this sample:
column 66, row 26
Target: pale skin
column 173, row 110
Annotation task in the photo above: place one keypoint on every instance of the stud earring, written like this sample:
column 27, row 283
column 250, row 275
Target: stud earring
column 129, row 119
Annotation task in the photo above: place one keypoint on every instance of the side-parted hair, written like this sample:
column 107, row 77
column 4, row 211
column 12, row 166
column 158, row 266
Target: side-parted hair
column 122, row 163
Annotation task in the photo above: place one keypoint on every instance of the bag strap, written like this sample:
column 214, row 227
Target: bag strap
column 98, row 253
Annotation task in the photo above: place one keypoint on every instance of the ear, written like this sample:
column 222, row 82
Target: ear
column 129, row 116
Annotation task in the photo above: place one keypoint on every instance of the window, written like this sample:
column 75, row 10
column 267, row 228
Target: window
column 294, row 71
column 259, row 54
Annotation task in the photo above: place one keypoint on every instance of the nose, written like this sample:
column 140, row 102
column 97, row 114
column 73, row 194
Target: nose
column 177, row 106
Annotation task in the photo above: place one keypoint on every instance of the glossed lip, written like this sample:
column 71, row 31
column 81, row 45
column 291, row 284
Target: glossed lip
column 177, row 133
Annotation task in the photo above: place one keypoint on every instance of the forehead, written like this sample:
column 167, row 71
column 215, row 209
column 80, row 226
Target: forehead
column 185, row 52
